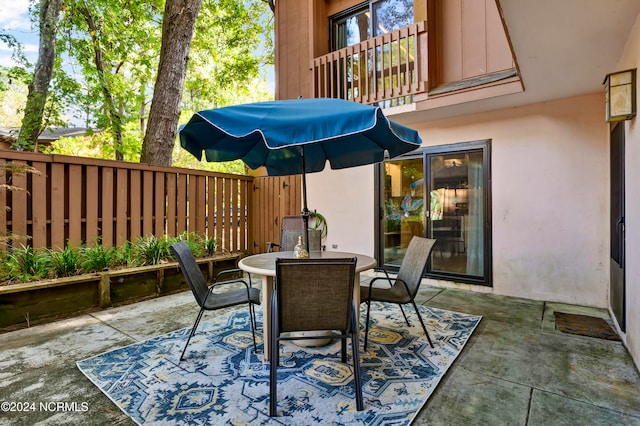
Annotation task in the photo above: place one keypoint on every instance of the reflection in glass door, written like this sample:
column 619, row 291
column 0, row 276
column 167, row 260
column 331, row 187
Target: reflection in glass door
column 403, row 210
column 452, row 205
column 456, row 213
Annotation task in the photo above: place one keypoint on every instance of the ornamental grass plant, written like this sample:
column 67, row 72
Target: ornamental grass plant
column 26, row 264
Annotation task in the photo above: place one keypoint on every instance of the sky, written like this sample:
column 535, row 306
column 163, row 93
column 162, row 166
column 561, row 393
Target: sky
column 14, row 19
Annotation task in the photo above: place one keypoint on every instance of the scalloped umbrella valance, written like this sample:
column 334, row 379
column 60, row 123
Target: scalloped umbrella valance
column 299, row 136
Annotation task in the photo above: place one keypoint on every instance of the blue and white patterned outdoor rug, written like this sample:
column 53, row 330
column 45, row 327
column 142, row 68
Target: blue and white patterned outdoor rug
column 222, row 380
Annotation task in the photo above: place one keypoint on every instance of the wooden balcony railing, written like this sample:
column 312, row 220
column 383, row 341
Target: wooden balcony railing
column 384, row 68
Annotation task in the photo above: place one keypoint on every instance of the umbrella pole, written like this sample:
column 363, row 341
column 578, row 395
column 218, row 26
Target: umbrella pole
column 305, row 210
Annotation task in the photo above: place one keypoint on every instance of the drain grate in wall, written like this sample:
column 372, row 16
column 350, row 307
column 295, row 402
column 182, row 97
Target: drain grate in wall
column 584, row 325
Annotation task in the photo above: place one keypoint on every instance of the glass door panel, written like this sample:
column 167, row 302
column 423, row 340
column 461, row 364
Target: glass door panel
column 456, row 213
column 403, row 207
column 441, row 193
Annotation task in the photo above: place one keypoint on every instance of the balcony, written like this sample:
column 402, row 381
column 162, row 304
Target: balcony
column 389, row 69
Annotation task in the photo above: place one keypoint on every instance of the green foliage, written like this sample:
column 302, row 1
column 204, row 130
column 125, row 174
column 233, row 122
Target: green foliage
column 98, row 145
column 65, row 262
column 232, row 44
column 17, row 48
column 12, row 101
column 124, row 255
column 97, row 258
column 226, row 53
column 318, row 221
column 5, row 268
column 210, row 245
column 193, row 240
column 114, row 45
column 25, row 263
column 182, row 158
column 150, row 250
column 13, row 78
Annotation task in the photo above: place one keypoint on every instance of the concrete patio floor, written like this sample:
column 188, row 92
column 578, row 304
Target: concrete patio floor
column 515, row 370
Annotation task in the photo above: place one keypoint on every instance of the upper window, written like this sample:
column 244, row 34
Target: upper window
column 369, row 19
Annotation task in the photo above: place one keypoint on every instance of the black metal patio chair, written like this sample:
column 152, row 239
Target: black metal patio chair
column 292, row 228
column 404, row 287
column 207, row 299
column 314, row 295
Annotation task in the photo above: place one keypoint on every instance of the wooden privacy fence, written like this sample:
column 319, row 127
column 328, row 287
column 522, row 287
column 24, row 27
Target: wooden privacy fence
column 273, row 198
column 78, row 200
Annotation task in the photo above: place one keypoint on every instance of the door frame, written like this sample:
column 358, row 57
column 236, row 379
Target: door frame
column 424, row 152
column 617, row 261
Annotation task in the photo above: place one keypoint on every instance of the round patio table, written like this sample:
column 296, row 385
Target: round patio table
column 265, row 265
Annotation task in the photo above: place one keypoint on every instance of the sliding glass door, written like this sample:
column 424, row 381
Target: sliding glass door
column 404, row 212
column 451, row 205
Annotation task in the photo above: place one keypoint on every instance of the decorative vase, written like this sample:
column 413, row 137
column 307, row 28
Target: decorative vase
column 299, row 252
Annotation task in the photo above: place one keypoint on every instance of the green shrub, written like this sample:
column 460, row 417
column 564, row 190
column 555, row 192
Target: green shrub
column 65, row 262
column 124, row 255
column 210, row 245
column 97, row 258
column 150, row 250
column 194, row 241
column 27, row 264
column 5, row 270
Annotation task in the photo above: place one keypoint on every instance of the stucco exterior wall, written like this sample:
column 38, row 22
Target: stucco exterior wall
column 550, row 198
column 346, row 198
column 631, row 59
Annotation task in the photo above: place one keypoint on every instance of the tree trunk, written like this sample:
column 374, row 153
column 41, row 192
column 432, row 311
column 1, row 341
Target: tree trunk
column 32, row 123
column 177, row 31
column 114, row 116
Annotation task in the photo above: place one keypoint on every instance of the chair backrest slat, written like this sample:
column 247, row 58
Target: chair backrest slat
column 192, row 272
column 315, row 294
column 414, row 262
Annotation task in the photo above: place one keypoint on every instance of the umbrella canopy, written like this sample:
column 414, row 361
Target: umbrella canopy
column 291, row 137
column 271, row 134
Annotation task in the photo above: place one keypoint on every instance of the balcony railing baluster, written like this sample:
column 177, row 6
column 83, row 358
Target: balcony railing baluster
column 380, row 69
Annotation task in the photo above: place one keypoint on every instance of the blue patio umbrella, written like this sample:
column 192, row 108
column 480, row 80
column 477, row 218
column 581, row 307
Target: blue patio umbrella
column 291, row 137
